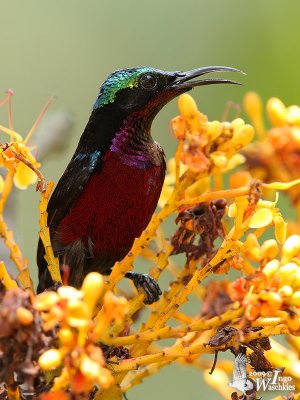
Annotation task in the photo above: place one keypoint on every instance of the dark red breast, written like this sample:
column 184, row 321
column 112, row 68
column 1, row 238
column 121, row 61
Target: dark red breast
column 114, row 207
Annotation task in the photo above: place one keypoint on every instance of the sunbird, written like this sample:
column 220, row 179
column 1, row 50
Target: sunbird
column 110, row 188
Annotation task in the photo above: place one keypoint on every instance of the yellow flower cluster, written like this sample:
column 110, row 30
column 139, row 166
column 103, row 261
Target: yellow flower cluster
column 13, row 157
column 209, row 144
column 81, row 361
column 275, row 287
column 275, row 156
column 264, row 215
column 218, row 229
column 207, row 147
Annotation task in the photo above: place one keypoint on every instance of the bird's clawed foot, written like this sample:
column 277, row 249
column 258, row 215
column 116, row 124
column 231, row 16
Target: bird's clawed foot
column 148, row 284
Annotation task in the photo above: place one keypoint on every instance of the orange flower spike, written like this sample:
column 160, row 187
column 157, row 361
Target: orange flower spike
column 277, row 112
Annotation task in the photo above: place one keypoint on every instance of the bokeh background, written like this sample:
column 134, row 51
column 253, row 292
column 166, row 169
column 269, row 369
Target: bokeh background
column 68, row 47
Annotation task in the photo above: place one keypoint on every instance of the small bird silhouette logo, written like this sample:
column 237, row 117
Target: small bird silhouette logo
column 240, row 380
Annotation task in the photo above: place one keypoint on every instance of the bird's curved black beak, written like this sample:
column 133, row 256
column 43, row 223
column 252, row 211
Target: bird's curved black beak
column 183, row 80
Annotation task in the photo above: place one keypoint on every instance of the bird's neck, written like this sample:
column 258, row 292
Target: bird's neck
column 134, row 144
column 126, row 134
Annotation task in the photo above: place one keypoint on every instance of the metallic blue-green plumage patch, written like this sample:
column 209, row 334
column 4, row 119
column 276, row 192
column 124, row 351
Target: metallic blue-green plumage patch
column 119, row 80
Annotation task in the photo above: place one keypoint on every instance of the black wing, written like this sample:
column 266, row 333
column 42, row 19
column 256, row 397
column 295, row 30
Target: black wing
column 65, row 194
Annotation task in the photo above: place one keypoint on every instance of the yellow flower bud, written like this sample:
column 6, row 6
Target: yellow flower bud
column 236, row 160
column 280, row 229
column 24, row 316
column 232, row 210
column 271, row 268
column 79, row 314
column 296, row 134
column 237, row 123
column 285, row 291
column 46, row 300
column 51, row 359
column 242, row 137
column 219, row 159
column 187, row 105
column 105, row 379
column 66, row 336
column 251, row 241
column 69, row 293
column 90, row 368
column 276, row 111
column 253, row 105
column 271, row 297
column 252, row 248
column 296, row 283
column 291, row 247
column 293, row 115
column 286, row 273
column 293, row 322
column 270, row 248
column 214, row 130
column 115, row 307
column 92, row 289
column 295, row 300
column 261, row 218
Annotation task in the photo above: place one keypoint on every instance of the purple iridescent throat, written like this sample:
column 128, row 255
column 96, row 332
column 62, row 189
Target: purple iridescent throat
column 134, row 144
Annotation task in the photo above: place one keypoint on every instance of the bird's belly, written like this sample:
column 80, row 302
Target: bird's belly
column 114, row 208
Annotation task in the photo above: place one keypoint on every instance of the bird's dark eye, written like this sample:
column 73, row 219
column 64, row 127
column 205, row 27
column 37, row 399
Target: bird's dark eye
column 148, row 81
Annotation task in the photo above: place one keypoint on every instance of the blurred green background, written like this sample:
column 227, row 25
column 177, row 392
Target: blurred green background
column 69, row 47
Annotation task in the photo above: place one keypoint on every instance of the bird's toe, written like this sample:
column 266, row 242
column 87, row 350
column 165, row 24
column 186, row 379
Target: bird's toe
column 147, row 284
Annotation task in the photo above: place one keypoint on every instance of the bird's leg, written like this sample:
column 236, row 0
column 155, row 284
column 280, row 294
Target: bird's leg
column 147, row 283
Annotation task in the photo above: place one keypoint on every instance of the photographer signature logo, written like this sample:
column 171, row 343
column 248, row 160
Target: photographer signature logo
column 271, row 380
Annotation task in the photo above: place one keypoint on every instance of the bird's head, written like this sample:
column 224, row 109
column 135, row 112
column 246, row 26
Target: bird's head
column 129, row 100
column 144, row 88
